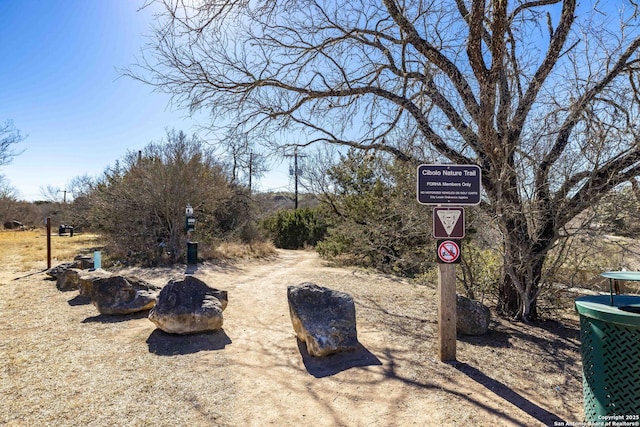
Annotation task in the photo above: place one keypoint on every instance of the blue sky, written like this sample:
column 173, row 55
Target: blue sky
column 60, row 85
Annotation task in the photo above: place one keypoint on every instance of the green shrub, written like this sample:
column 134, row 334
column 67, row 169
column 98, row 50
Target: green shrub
column 295, row 229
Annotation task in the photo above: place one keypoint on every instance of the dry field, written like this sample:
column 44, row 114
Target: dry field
column 63, row 364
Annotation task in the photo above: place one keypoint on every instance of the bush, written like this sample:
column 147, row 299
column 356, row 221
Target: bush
column 375, row 220
column 295, row 229
column 139, row 205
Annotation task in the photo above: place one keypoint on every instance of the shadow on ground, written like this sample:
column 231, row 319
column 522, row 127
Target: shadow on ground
column 508, row 394
column 79, row 300
column 116, row 318
column 327, row 366
column 164, row 344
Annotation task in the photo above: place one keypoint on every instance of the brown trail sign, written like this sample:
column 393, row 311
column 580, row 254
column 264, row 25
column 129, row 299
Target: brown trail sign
column 448, row 223
column 446, row 186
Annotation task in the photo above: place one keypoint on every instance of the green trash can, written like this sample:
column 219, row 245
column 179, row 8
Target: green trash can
column 192, row 253
column 610, row 348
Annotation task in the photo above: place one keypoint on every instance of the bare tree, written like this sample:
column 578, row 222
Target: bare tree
column 53, row 193
column 246, row 162
column 7, row 191
column 9, row 136
column 542, row 95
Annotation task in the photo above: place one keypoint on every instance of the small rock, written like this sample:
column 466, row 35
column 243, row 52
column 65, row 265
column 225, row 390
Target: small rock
column 472, row 316
column 57, row 270
column 67, row 279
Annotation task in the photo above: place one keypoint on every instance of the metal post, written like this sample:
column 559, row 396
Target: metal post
column 48, row 242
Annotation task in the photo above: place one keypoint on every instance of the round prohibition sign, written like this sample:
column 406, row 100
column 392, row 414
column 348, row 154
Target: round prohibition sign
column 448, row 251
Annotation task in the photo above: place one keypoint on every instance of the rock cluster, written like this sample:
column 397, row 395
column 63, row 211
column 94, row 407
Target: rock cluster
column 323, row 319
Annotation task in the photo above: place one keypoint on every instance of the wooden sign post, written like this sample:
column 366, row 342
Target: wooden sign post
column 448, row 187
column 448, row 256
column 447, row 312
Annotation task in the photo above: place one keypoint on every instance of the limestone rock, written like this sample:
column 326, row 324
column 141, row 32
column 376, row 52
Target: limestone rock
column 189, row 306
column 472, row 316
column 80, row 262
column 323, row 318
column 67, row 279
column 86, row 279
column 123, row 295
column 54, row 272
column 83, row 261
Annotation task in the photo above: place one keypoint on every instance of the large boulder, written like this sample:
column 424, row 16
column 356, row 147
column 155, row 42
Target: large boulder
column 86, row 279
column 67, row 279
column 323, row 318
column 123, row 295
column 472, row 316
column 189, row 306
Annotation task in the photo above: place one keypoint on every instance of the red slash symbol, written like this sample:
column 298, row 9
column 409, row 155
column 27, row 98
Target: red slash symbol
column 448, row 251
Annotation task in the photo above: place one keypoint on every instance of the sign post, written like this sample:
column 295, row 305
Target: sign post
column 447, row 186
column 447, row 315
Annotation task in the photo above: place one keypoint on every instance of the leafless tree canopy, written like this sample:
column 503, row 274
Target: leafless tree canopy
column 541, row 94
column 9, row 136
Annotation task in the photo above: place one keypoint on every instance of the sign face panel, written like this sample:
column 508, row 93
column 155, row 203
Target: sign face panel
column 448, row 251
column 449, row 184
column 448, row 223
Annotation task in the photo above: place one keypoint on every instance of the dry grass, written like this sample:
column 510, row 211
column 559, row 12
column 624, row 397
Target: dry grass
column 234, row 250
column 27, row 250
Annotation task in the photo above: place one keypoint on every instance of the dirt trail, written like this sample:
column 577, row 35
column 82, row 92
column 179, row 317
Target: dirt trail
column 66, row 365
column 277, row 383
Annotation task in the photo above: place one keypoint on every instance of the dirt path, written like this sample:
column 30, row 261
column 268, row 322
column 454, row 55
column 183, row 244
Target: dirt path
column 63, row 364
column 280, row 382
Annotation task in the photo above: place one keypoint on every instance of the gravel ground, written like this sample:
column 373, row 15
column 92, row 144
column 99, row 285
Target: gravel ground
column 63, row 364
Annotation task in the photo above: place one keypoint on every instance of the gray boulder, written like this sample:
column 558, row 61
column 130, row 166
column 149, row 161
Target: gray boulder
column 323, row 318
column 123, row 295
column 189, row 306
column 86, row 279
column 54, row 272
column 472, row 316
column 80, row 262
column 67, row 279
column 83, row 261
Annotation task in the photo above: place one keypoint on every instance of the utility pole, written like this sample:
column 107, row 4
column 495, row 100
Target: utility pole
column 295, row 171
column 250, row 169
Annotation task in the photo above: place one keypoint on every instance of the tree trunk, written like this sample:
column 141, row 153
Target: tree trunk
column 515, row 304
column 524, row 259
